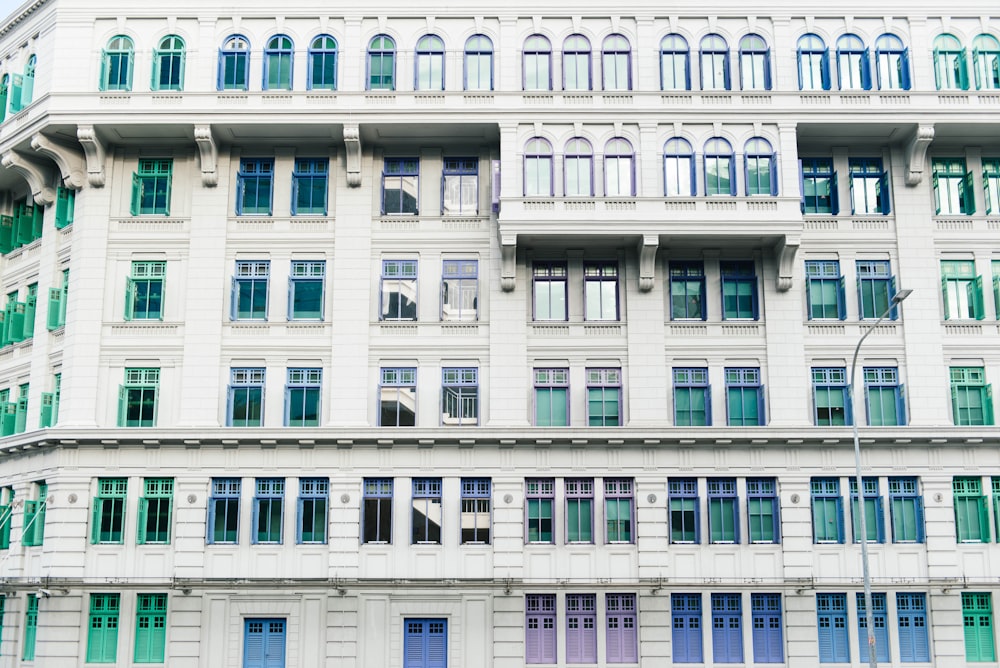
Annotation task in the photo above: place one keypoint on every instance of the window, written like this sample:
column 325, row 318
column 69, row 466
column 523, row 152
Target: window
column 686, row 637
column 65, row 201
column 6, row 512
column 33, row 527
column 714, row 60
column 869, row 186
column 971, row 396
column 831, row 620
column 720, row 169
column 825, row 297
column 323, row 63
column 578, row 168
column 678, row 169
column 376, row 511
column 906, row 510
column 400, row 177
column 885, row 402
column 819, row 186
column 537, row 168
column 246, row 397
column 278, row 63
column 305, row 290
column 831, row 402
column 618, row 495
column 151, row 188
column 600, row 290
column 827, row 512
column 619, row 178
column 880, row 623
column 950, row 71
column 49, row 415
column 911, row 610
column 551, row 397
column 302, row 397
column 876, row 288
column 309, row 186
column 581, row 628
column 961, row 290
column 102, row 628
column 814, row 63
column 727, row 628
column 739, row 290
column 137, row 398
column 687, row 290
column 398, row 397
column 541, row 496
column 398, row 290
column 692, row 398
column 953, row 189
column 576, row 63
column 249, row 300
column 549, row 289
column 760, row 167
column 537, row 62
column 268, row 511
column 991, row 187
column 254, row 183
column 168, row 64
column 762, row 510
column 723, row 511
column 150, row 628
column 22, row 86
column 382, row 63
column 58, row 298
column 986, row 62
column 579, row 510
column 478, row 63
column 874, row 512
column 540, row 628
column 853, row 66
column 234, row 63
column 117, row 61
column 460, row 187
column 755, row 63
column 144, row 291
column 892, row 63
column 312, row 510
column 604, row 397
column 622, row 639
column 224, row 511
column 971, row 511
column 977, row 618
column 429, row 74
column 108, row 520
column 475, row 520
column 744, row 397
column 460, row 396
column 30, row 627
column 682, row 510
column 426, row 521
column 616, row 57
column 675, row 63
column 155, row 511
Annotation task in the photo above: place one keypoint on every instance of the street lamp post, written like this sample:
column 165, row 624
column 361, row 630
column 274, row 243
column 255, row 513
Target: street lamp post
column 865, row 570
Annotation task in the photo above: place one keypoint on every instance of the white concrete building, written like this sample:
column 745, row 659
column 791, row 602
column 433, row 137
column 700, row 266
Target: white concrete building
column 448, row 336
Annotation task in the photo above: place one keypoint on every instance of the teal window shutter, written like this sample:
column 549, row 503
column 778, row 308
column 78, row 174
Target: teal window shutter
column 54, row 319
column 16, row 83
column 976, row 298
column 944, row 295
column 137, row 184
column 65, row 206
column 122, row 405
column 968, row 195
column 963, row 70
column 48, row 401
column 95, row 521
column 6, row 234
column 129, row 299
column 140, row 536
column 988, row 409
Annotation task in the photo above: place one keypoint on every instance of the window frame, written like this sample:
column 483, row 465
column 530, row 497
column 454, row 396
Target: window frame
column 538, row 154
column 581, row 628
column 540, row 629
column 616, row 51
column 155, row 523
column 551, row 382
column 598, row 278
column 578, row 156
column 755, row 60
column 304, row 274
column 831, row 622
column 906, row 502
column 911, row 613
column 312, row 510
column 687, row 290
column 139, row 395
column 969, row 382
column 853, row 63
column 977, row 619
column 950, row 68
column 954, row 194
column 402, row 379
column 761, row 494
column 961, row 290
column 255, row 187
column 619, row 168
column 826, row 491
column 539, row 511
column 108, row 512
column 103, row 622
column 719, row 158
column 429, row 60
column 151, row 187
column 760, row 161
column 727, row 627
column 740, row 382
column 144, row 293
column 376, row 511
column 474, row 52
column 253, row 276
column 874, row 510
column 234, row 64
column 279, row 63
column 817, row 175
column 248, row 381
column 305, row 383
column 577, row 66
column 881, row 621
column 321, row 53
column 150, row 628
column 876, row 288
column 683, row 511
column 821, row 277
column 869, row 181
column 168, row 63
column 892, row 63
column 622, row 628
column 459, row 389
column 460, row 176
column 405, row 173
column 550, row 274
column 381, row 50
column 674, row 46
column 723, row 507
column 117, row 65
column 619, row 495
column 476, row 501
column 605, row 386
column 971, row 510
column 829, row 384
column 714, row 51
column 536, row 51
column 579, row 494
column 425, row 503
column 674, row 172
column 396, row 273
column 882, row 380
column 224, row 494
column 690, row 382
column 986, row 61
column 310, row 186
column 735, row 277
column 268, row 508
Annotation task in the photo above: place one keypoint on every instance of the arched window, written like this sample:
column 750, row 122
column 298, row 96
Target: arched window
column 760, row 167
column 950, row 72
column 478, row 63
column 675, row 63
column 234, row 63
column 168, row 64
column 678, row 168
column 853, row 66
column 278, row 63
column 116, row 64
column 714, row 63
column 323, row 63
column 814, row 63
column 576, row 63
column 892, row 63
column 578, row 167
column 429, row 74
column 755, row 63
column 986, row 62
column 537, row 62
column 537, row 168
column 619, row 168
column 616, row 57
column 720, row 172
column 382, row 63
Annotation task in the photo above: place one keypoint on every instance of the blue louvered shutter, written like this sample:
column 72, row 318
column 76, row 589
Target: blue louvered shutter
column 708, row 405
column 798, row 60
column 825, row 69
column 866, row 70
column 904, row 69
column 767, row 69
column 840, row 520
column 883, row 184
column 834, row 195
column 901, row 405
column 732, row 163
column 842, row 299
column 894, row 312
column 253, row 644
column 274, row 651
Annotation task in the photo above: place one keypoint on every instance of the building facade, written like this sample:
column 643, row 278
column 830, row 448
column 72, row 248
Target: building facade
column 446, row 336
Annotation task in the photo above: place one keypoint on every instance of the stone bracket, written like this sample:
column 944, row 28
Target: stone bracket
column 916, row 153
column 69, row 160
column 36, row 175
column 93, row 149
column 208, row 153
column 352, row 148
column 647, row 261
column 508, row 262
column 784, row 253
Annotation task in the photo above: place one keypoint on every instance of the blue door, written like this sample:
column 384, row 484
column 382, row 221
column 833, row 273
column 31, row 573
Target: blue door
column 264, row 643
column 425, row 643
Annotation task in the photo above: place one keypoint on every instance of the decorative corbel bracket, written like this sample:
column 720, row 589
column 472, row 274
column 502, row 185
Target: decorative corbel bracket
column 93, row 149
column 36, row 175
column 352, row 148
column 508, row 262
column 208, row 153
column 785, row 252
column 647, row 261
column 67, row 158
column 916, row 153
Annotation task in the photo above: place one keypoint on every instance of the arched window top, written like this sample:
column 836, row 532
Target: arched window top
column 479, row 44
column 171, row 43
column 537, row 44
column 538, row 146
column 576, row 43
column 811, row 42
column 616, row 43
column 714, row 42
column 382, row 43
column 279, row 43
column 673, row 43
column 677, row 146
column 985, row 42
column 718, row 146
column 578, row 146
column 323, row 43
column 758, row 146
column 750, row 43
column 947, row 42
column 236, row 43
column 618, row 146
column 430, row 44
column 889, row 42
column 850, row 42
column 120, row 43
